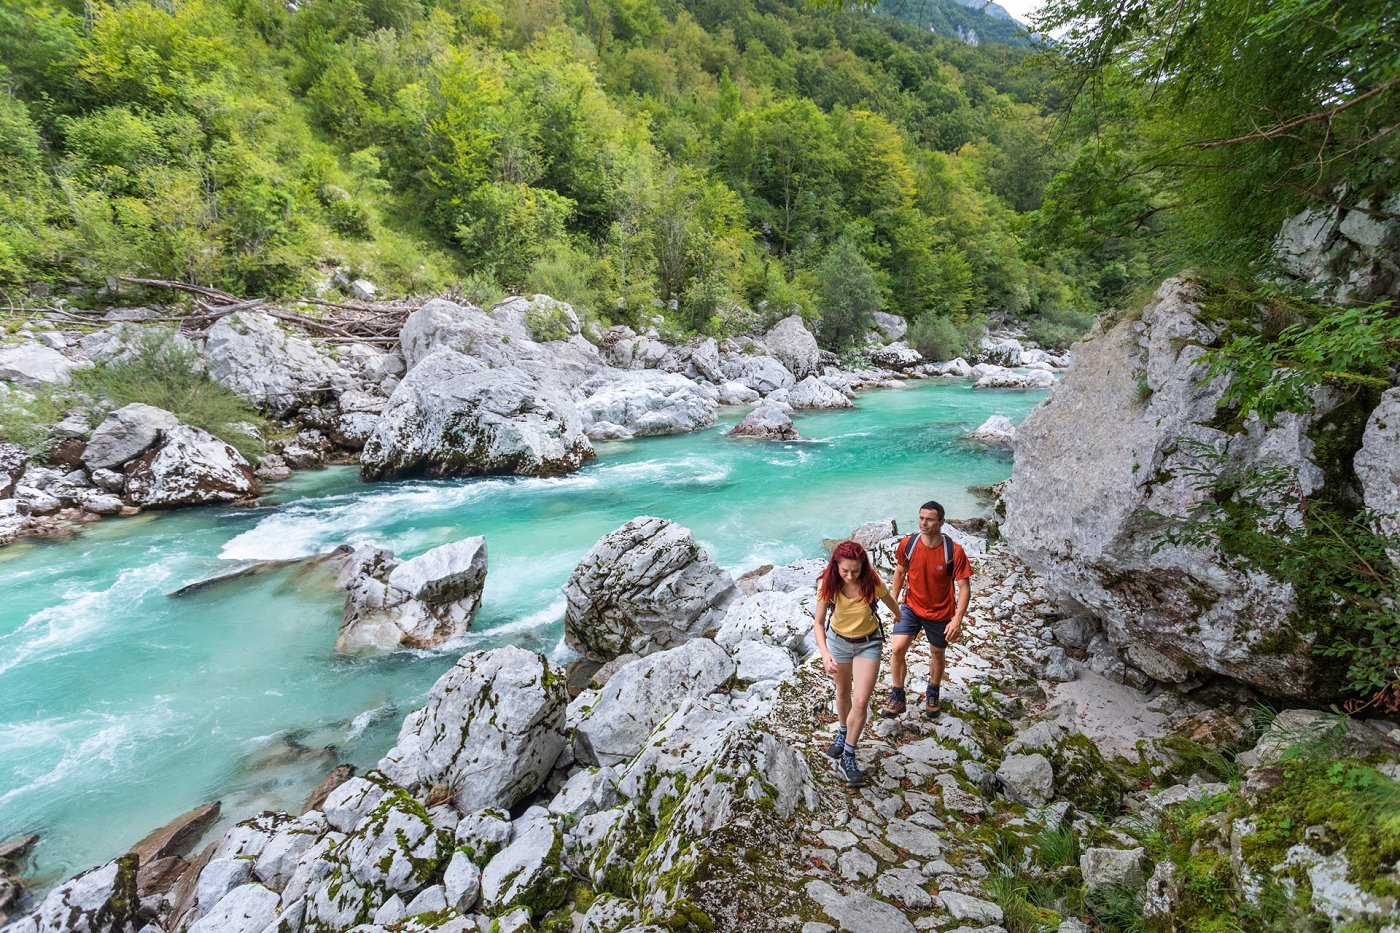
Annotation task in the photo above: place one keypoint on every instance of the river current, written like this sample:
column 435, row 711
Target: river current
column 122, row 706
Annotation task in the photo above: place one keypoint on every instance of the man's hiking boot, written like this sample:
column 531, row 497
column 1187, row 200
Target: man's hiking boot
column 837, row 746
column 895, row 706
column 850, row 772
column 932, row 707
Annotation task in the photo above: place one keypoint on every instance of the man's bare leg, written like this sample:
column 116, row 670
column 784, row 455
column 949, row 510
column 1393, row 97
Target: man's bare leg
column 937, row 662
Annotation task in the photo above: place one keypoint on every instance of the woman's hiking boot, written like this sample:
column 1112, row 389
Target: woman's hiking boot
column 850, row 772
column 837, row 746
column 896, row 705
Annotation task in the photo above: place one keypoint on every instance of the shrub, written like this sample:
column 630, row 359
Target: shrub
column 159, row 370
column 547, row 320
column 1059, row 327
column 564, row 272
column 27, row 415
column 939, row 338
column 847, row 295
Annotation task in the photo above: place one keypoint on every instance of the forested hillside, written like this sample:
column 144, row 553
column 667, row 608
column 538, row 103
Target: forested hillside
column 731, row 159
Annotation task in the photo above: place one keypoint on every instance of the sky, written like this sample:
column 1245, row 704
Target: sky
column 1021, row 9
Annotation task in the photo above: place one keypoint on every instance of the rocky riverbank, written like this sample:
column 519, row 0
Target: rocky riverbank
column 520, row 389
column 684, row 787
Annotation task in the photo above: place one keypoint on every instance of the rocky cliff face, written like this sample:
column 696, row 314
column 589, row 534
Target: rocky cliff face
column 1348, row 255
column 1110, row 457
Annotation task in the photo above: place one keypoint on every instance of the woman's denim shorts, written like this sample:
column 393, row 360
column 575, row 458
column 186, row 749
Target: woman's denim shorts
column 843, row 651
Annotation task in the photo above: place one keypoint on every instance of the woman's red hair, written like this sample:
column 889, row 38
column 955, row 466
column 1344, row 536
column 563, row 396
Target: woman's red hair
column 831, row 581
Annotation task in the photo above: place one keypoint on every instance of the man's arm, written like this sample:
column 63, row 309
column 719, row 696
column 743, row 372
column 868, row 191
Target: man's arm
column 964, row 597
column 897, row 586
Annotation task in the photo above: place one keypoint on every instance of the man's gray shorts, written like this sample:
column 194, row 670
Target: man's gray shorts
column 843, row 651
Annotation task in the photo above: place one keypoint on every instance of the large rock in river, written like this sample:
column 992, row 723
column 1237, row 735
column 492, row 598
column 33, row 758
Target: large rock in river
column 492, row 730
column 767, row 421
column 643, row 402
column 452, row 416
column 188, row 466
column 642, row 588
column 1110, row 452
column 424, row 602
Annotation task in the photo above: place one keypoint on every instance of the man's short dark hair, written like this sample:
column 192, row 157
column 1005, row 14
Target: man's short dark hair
column 934, row 506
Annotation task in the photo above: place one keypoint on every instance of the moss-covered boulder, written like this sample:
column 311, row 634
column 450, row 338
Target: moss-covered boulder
column 394, row 850
column 1082, row 774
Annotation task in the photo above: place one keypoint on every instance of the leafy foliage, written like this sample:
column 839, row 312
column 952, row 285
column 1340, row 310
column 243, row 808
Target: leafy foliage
column 157, row 370
column 847, row 295
column 704, row 154
column 1337, row 560
column 1203, row 125
column 1351, row 347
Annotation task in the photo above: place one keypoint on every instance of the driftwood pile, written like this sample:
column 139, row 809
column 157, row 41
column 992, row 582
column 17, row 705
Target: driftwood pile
column 375, row 323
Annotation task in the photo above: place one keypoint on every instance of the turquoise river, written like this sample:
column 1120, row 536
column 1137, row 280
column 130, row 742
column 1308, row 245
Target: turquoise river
column 124, row 706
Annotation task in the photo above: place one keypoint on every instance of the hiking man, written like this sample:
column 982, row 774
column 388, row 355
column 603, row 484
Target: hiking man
column 931, row 566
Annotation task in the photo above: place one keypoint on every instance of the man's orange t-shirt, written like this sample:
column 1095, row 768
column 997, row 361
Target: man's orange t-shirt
column 928, row 590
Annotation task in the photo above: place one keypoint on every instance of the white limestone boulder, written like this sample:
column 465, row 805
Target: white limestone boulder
column 762, row 374
column 641, row 694
column 394, row 851
column 33, row 364
column 772, row 617
column 1001, row 351
column 542, row 317
column 871, row 535
column 1377, row 463
column 644, row 587
column 1104, row 868
column 758, row 662
column 426, row 602
column 897, row 356
column 812, row 392
column 249, row 908
column 736, row 393
column 997, row 429
column 957, row 367
column 249, row 353
column 461, row 883
column 767, row 422
column 127, row 340
column 125, row 434
column 1028, row 779
column 527, row 873
column 98, row 901
column 1087, row 516
column 792, row 344
column 451, row 416
column 892, row 327
column 999, row 378
column 643, row 403
column 188, row 466
column 14, row 460
column 489, row 759
column 345, row 806
column 495, row 344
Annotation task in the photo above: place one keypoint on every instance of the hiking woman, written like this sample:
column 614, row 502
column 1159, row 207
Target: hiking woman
column 850, row 642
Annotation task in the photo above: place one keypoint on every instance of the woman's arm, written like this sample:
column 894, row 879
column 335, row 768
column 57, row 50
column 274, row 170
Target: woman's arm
column 889, row 597
column 819, row 632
